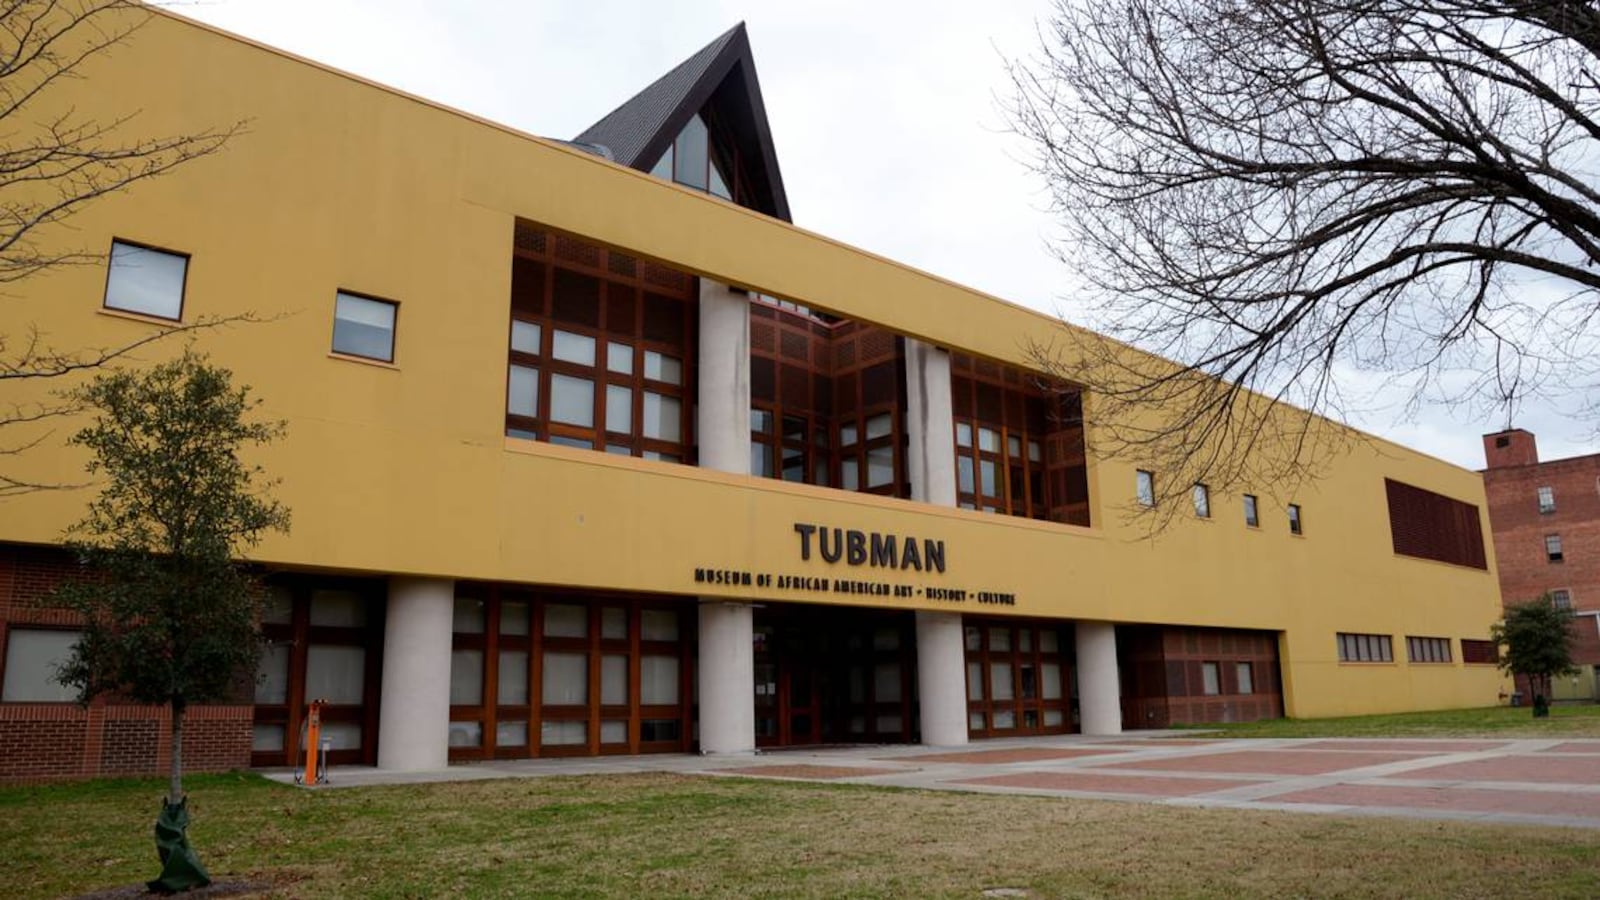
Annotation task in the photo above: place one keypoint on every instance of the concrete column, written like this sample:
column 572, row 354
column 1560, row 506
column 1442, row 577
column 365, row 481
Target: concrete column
column 942, row 679
column 931, row 457
column 414, row 718
column 722, row 417
column 727, row 678
column 1099, row 689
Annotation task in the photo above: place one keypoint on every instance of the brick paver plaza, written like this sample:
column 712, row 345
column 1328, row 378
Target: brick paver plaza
column 1525, row 781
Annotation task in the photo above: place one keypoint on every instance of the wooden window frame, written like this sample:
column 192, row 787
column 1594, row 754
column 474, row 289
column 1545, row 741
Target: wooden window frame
column 1020, row 707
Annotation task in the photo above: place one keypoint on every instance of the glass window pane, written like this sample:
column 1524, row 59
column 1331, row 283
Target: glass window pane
column 466, row 734
column 760, row 421
column 525, row 336
column 1000, row 687
column 974, row 681
column 514, row 617
column 692, row 149
column 342, row 735
column 511, row 734
column 659, row 730
column 850, row 474
column 663, row 167
column 619, row 409
column 988, row 440
column 663, row 417
column 963, row 434
column 512, row 678
column 1005, row 718
column 1025, row 640
column 467, row 617
column 272, row 675
column 886, row 682
column 661, row 457
column 975, row 721
column 266, row 738
column 146, row 281
column 573, row 348
column 277, row 606
column 819, row 472
column 338, row 609
column 964, row 478
column 566, row 679
column 563, row 734
column 1029, row 680
column 1014, row 447
column 999, row 638
column 336, row 674
column 566, row 620
column 614, row 624
column 989, row 477
column 880, row 466
column 658, row 680
column 974, row 637
column 1210, row 678
column 660, row 367
column 1049, row 641
column 847, row 435
column 1053, row 718
column 572, row 400
column 879, row 426
column 614, row 731
column 1050, row 676
column 888, row 723
column 1145, row 487
column 619, row 358
column 363, row 327
column 522, row 392
column 466, row 677
column 613, row 680
column 760, row 459
column 658, row 625
column 719, row 185
column 1035, row 453
column 1246, row 678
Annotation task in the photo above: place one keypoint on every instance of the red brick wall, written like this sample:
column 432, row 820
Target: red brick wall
column 1519, row 532
column 45, row 741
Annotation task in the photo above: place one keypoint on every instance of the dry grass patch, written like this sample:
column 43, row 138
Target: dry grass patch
column 1488, row 722
column 688, row 836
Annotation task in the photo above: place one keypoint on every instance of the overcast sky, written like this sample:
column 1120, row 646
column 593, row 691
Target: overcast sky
column 886, row 115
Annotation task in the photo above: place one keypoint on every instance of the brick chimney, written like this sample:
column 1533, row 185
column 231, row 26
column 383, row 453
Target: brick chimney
column 1513, row 447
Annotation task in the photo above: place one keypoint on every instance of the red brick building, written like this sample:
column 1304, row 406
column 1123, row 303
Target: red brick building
column 1546, row 522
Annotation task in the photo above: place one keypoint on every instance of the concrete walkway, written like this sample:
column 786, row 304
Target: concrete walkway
column 1535, row 782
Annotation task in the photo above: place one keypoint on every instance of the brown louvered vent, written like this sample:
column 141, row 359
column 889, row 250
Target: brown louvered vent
column 1432, row 526
column 581, row 252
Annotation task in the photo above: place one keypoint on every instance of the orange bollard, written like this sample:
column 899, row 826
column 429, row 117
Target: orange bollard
column 315, row 770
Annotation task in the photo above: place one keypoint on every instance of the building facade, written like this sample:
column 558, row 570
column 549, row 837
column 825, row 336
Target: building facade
column 592, row 451
column 1546, row 522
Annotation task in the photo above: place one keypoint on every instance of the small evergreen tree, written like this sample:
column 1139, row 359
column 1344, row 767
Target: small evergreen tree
column 1537, row 641
column 169, row 615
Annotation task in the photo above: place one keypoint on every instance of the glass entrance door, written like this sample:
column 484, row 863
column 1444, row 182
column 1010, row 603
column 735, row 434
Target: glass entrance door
column 827, row 675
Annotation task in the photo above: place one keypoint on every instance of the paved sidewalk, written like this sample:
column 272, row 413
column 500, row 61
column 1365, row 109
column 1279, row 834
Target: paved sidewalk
column 1536, row 782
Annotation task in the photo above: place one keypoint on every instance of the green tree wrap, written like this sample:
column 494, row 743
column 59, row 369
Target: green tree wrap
column 180, row 867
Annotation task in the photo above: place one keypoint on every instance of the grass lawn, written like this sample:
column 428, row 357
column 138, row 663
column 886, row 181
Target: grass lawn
column 1493, row 721
column 686, row 836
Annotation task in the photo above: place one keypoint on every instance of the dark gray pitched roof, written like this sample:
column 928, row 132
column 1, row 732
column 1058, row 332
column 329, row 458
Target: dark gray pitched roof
column 722, row 72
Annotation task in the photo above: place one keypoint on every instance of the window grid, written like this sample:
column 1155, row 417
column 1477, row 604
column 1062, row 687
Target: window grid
column 1365, row 647
column 1428, row 649
column 1547, row 499
column 1561, row 598
column 1019, row 678
column 1552, row 548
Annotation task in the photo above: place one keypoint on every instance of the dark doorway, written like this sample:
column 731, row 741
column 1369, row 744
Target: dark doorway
column 833, row 676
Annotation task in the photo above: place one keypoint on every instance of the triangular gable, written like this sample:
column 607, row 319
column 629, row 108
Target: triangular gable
column 722, row 75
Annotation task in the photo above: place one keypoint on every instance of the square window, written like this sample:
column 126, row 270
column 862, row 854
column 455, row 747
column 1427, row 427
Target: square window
column 1561, row 598
column 1202, row 501
column 146, row 281
column 1210, row 679
column 363, row 326
column 660, row 367
column 1552, row 548
column 1547, row 499
column 1295, row 524
column 963, row 434
column 525, row 336
column 1145, row 486
column 33, row 656
column 572, row 400
column 619, row 358
column 1251, row 517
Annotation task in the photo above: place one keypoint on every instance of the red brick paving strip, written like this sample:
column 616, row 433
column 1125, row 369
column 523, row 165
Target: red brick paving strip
column 1400, row 746
column 1548, row 803
column 810, row 773
column 1001, row 757
column 1269, row 762
column 1575, row 747
column 1107, row 783
column 1543, row 769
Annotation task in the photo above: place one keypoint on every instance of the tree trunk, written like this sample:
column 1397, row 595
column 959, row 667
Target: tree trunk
column 175, row 770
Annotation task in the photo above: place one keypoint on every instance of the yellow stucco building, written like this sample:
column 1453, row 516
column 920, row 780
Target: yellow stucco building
column 569, row 477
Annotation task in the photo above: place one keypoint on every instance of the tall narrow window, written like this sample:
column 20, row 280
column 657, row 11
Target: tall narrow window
column 1202, row 501
column 1244, row 673
column 1547, row 499
column 364, row 326
column 1211, row 678
column 1552, row 548
column 1145, row 486
column 1251, row 517
column 1296, row 524
column 146, row 281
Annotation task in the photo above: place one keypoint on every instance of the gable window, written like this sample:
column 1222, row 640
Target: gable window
column 145, row 280
column 1552, row 548
column 1251, row 517
column 1561, row 598
column 33, row 657
column 364, row 326
column 1145, row 487
column 1296, row 526
column 1547, row 499
column 1202, row 501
